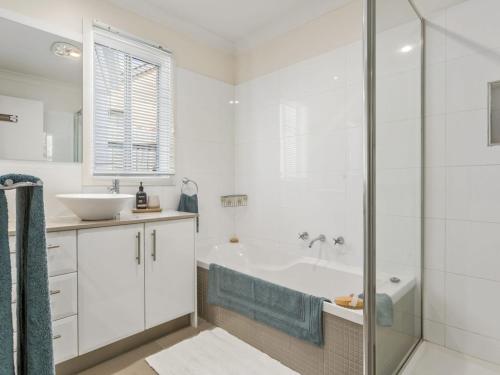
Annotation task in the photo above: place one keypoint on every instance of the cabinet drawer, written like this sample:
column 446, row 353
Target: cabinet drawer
column 63, row 295
column 64, row 334
column 61, row 252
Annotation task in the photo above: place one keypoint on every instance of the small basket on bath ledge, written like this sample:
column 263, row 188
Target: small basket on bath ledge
column 235, row 200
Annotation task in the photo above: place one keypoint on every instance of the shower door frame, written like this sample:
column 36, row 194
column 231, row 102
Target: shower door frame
column 369, row 183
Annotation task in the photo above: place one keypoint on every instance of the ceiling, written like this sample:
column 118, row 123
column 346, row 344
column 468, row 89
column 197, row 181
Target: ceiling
column 28, row 51
column 232, row 23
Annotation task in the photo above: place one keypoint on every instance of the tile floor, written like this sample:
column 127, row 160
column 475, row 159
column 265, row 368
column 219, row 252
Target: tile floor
column 134, row 363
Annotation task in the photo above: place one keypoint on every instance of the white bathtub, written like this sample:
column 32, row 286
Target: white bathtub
column 309, row 275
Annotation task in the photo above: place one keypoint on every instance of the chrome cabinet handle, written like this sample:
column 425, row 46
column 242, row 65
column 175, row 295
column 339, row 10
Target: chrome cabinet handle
column 50, row 246
column 56, row 337
column 153, row 254
column 57, row 291
column 138, row 248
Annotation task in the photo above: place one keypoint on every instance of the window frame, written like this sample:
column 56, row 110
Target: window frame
column 96, row 32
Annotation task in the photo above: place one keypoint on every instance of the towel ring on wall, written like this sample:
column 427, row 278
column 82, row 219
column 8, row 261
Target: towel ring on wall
column 186, row 181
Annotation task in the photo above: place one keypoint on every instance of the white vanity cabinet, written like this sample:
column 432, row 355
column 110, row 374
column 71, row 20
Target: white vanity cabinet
column 132, row 278
column 111, row 281
column 110, row 284
column 170, row 267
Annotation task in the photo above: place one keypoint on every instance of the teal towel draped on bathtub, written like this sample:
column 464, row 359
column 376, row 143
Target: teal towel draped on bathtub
column 295, row 313
column 35, row 352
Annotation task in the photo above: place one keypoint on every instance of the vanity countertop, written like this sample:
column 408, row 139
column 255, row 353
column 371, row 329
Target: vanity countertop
column 72, row 222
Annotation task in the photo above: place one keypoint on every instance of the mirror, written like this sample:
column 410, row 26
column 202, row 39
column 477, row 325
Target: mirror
column 40, row 95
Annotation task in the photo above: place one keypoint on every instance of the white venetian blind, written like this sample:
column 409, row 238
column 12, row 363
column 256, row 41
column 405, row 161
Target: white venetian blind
column 133, row 132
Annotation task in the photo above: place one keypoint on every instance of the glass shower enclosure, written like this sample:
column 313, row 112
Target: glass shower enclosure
column 393, row 66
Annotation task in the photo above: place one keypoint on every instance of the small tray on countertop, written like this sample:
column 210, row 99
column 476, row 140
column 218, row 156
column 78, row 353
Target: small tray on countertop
column 146, row 210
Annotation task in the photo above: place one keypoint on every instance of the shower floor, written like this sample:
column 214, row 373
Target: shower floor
column 432, row 359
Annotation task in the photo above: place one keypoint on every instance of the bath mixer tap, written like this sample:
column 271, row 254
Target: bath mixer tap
column 321, row 238
column 304, row 236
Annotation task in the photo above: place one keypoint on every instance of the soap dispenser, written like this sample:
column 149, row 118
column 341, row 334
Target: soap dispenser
column 141, row 199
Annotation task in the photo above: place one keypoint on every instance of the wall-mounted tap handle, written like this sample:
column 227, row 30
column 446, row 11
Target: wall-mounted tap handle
column 338, row 240
column 304, row 236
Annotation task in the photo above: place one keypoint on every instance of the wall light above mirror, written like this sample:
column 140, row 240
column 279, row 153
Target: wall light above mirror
column 40, row 87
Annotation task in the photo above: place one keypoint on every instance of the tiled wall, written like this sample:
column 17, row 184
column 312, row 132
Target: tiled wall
column 205, row 139
column 462, row 258
column 299, row 155
column 398, row 149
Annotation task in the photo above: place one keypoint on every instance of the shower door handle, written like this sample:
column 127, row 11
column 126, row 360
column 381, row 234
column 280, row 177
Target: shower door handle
column 138, row 257
column 153, row 252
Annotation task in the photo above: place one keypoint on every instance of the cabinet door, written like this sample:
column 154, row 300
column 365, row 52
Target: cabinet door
column 110, row 284
column 170, row 265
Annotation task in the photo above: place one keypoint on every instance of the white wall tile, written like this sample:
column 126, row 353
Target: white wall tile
column 399, row 144
column 301, row 165
column 471, row 27
column 434, row 332
column 435, row 38
column 473, row 249
column 467, row 139
column 434, row 295
column 398, row 96
column 473, row 344
column 462, row 179
column 472, row 193
column 467, row 78
column 435, row 141
column 469, row 316
column 398, row 192
column 435, row 89
column 435, row 243
column 435, row 192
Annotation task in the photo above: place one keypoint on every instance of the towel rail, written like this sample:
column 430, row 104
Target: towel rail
column 10, row 185
column 186, row 181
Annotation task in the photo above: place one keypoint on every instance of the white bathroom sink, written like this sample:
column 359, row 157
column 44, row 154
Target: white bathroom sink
column 95, row 206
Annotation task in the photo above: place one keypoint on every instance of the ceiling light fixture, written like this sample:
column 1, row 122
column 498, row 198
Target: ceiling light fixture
column 63, row 49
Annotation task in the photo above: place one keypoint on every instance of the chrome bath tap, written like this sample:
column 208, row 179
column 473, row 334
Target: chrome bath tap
column 321, row 238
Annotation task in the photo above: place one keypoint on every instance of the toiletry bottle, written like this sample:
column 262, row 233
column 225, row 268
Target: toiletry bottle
column 141, row 198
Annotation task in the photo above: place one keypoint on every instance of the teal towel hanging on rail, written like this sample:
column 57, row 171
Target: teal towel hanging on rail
column 35, row 352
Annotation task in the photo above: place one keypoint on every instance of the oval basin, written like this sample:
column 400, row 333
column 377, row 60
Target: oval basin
column 95, row 206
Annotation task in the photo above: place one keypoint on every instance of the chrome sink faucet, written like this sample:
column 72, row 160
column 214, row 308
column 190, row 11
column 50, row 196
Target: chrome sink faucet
column 321, row 238
column 115, row 187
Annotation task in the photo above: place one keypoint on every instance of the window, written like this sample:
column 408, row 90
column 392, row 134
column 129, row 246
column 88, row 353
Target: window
column 133, row 132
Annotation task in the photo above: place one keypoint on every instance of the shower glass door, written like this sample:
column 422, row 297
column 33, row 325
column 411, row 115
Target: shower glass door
column 395, row 166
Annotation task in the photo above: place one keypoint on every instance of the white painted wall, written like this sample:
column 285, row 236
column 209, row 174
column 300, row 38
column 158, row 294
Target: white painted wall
column 462, row 278
column 204, row 126
column 299, row 155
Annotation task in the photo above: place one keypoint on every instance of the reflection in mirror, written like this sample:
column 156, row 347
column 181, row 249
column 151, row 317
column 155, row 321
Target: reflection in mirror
column 40, row 95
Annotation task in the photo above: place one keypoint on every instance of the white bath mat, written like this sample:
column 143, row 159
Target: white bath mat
column 215, row 352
